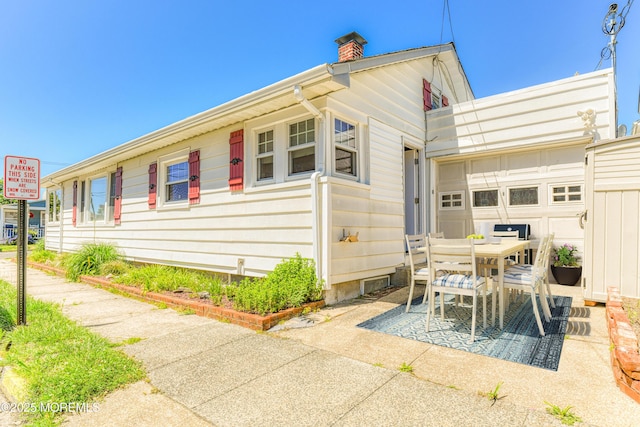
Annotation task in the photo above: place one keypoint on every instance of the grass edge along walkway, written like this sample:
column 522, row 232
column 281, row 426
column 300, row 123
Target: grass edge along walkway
column 64, row 367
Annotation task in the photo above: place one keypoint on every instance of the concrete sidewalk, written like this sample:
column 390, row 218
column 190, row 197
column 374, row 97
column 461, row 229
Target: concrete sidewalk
column 322, row 370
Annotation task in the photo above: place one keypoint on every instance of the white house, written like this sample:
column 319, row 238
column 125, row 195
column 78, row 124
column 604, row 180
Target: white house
column 368, row 147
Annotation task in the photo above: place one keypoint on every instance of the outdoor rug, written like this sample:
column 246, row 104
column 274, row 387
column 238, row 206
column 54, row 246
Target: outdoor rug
column 518, row 342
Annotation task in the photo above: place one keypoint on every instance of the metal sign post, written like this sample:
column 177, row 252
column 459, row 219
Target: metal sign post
column 22, row 182
column 23, row 241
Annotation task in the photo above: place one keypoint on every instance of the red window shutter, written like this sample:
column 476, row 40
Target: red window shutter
column 117, row 208
column 236, row 168
column 74, row 212
column 445, row 101
column 426, row 95
column 194, row 177
column 153, row 183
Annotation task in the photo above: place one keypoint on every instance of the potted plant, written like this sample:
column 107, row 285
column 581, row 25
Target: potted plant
column 565, row 267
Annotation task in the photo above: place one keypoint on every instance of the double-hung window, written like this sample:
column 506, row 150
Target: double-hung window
column 98, row 201
column 265, row 155
column 346, row 149
column 302, row 149
column 55, row 202
column 176, row 188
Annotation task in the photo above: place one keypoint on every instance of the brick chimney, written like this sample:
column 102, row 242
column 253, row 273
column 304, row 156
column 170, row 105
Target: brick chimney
column 350, row 47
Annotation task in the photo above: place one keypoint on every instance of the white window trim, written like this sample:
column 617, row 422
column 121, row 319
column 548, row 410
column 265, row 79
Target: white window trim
column 163, row 162
column 259, row 155
column 83, row 217
column 436, row 93
column 451, row 193
column 57, row 196
column 357, row 150
column 536, row 186
column 566, row 193
column 288, row 149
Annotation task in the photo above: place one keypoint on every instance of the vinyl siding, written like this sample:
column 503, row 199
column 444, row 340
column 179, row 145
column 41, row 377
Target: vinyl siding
column 532, row 116
column 261, row 227
column 613, row 230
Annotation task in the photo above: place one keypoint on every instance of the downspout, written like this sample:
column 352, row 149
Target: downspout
column 316, row 212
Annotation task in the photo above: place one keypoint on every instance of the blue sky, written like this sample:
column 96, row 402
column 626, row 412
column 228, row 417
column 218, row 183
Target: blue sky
column 78, row 77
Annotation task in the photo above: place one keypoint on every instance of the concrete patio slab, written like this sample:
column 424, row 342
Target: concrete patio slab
column 204, row 376
column 163, row 349
column 314, row 390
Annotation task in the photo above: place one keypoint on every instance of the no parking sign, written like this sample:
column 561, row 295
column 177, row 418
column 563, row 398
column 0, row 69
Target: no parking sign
column 21, row 178
column 22, row 182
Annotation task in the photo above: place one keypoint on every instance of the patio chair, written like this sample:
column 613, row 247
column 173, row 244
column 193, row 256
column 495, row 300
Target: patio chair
column 527, row 277
column 452, row 265
column 418, row 264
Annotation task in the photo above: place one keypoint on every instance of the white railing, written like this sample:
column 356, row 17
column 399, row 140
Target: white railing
column 10, row 231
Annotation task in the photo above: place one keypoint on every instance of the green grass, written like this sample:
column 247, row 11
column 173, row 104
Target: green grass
column 565, row 415
column 60, row 361
column 12, row 248
column 493, row 395
column 155, row 278
column 405, row 368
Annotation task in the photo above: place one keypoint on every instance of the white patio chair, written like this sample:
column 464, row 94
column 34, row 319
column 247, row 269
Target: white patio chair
column 416, row 244
column 452, row 265
column 530, row 278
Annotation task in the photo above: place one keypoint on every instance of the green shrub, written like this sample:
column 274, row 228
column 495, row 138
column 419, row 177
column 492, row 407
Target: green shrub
column 292, row 283
column 89, row 259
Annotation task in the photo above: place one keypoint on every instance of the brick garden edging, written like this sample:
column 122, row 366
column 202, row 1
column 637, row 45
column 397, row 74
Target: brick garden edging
column 201, row 308
column 625, row 358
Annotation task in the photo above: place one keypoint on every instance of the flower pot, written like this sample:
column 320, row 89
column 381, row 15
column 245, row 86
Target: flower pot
column 566, row 275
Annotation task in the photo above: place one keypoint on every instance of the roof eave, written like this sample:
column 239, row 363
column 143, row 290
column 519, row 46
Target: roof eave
column 236, row 110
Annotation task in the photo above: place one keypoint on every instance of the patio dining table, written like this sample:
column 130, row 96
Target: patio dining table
column 501, row 250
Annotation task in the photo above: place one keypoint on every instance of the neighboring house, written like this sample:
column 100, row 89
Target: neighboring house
column 9, row 218
column 357, row 148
